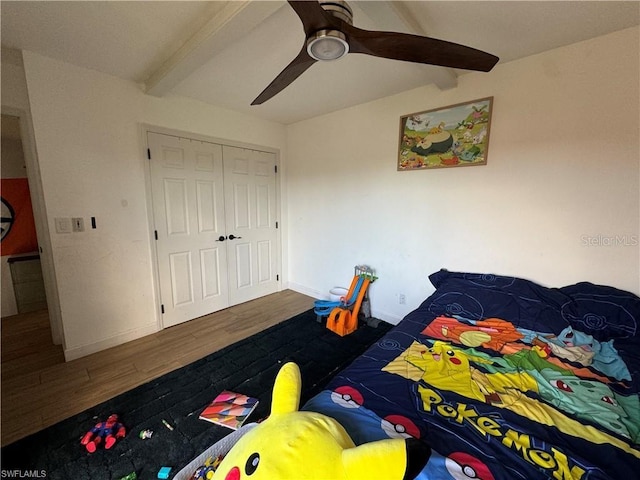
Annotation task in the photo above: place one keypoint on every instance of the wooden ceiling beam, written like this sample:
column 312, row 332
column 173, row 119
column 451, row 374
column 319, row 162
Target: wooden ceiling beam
column 228, row 25
column 393, row 16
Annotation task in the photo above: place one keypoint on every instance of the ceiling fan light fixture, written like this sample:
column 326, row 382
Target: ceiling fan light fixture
column 327, row 45
column 327, row 25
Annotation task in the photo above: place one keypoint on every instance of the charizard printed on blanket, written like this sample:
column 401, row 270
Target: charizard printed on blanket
column 501, row 336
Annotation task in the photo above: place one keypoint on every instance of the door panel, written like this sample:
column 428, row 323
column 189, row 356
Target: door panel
column 242, row 254
column 264, row 261
column 211, row 269
column 207, row 212
column 181, row 278
column 175, row 205
column 250, row 205
column 241, row 209
column 263, row 207
column 188, row 207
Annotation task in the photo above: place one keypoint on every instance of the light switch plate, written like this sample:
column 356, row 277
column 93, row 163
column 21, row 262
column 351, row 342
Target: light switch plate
column 78, row 224
column 63, row 225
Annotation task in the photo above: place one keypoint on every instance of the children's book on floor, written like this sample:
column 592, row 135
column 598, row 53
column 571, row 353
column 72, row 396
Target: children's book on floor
column 229, row 409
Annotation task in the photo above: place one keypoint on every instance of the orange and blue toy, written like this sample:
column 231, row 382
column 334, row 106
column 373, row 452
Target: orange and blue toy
column 323, row 308
column 343, row 315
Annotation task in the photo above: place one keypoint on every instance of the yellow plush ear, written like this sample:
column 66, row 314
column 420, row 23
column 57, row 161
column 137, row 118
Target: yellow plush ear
column 293, row 445
column 381, row 459
column 286, row 390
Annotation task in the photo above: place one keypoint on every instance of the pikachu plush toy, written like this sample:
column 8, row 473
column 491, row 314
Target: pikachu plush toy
column 296, row 445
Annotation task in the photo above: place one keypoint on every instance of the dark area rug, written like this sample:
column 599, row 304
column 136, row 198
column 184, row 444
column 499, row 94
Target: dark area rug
column 248, row 366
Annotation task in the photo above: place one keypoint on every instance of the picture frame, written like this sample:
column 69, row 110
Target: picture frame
column 452, row 136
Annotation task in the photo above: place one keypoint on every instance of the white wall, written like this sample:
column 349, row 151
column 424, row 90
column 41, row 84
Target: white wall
column 14, row 88
column 87, row 129
column 563, row 165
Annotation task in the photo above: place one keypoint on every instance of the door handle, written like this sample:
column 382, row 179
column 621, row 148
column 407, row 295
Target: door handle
column 221, row 238
column 233, row 237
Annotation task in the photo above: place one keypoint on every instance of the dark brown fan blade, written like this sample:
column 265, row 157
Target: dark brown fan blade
column 313, row 16
column 292, row 71
column 417, row 49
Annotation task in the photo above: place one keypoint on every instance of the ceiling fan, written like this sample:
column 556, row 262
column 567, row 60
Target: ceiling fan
column 330, row 34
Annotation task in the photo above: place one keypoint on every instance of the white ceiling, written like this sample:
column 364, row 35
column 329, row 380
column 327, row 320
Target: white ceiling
column 226, row 53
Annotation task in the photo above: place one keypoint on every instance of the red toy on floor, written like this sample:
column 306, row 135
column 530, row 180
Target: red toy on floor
column 109, row 431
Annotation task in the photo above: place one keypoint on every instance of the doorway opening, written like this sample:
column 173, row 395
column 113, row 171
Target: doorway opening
column 27, row 339
column 22, row 281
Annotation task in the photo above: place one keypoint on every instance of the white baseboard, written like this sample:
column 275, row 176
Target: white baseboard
column 387, row 317
column 296, row 287
column 84, row 350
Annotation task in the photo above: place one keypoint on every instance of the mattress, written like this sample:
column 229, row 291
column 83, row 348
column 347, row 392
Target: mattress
column 504, row 379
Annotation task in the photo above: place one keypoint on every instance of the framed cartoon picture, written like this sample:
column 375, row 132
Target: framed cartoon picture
column 451, row 136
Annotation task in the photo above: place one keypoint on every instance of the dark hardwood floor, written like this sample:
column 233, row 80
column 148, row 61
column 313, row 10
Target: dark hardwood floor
column 39, row 388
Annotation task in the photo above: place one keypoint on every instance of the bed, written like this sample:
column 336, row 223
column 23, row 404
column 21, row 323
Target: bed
column 504, row 379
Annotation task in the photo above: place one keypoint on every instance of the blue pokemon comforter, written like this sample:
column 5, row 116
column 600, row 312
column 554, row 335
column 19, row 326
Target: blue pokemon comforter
column 504, row 379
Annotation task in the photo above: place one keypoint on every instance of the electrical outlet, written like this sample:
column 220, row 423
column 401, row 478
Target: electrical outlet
column 402, row 299
column 77, row 224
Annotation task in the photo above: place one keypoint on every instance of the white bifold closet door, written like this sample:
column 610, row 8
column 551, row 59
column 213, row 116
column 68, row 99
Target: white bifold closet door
column 214, row 212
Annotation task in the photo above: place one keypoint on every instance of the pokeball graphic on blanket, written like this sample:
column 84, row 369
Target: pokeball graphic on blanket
column 347, row 397
column 394, row 426
column 462, row 466
column 456, row 303
column 601, row 317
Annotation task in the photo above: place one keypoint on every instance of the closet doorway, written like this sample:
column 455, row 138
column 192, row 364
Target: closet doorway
column 214, row 223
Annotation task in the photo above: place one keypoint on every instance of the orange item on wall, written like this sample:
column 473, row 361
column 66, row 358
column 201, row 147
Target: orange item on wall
column 18, row 226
